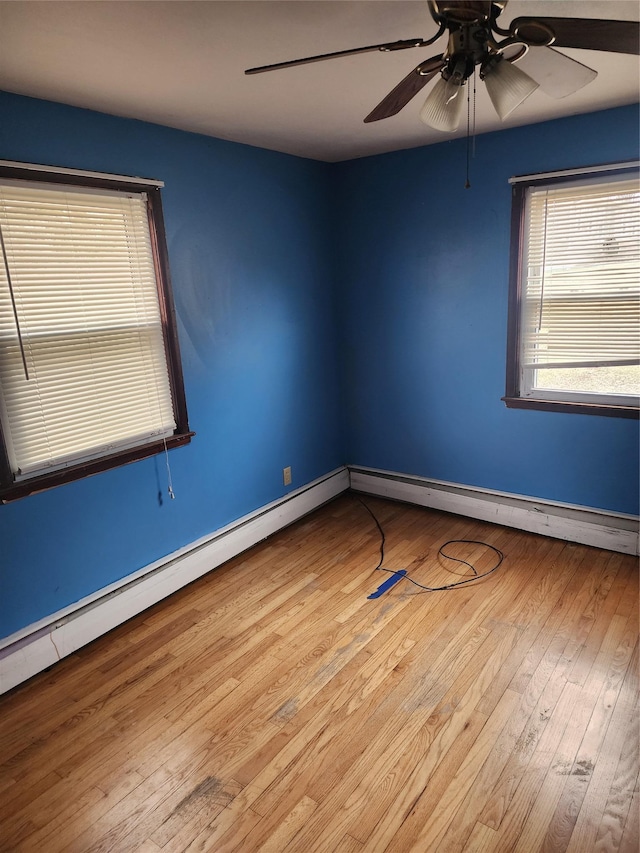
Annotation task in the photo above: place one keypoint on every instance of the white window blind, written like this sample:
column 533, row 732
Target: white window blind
column 580, row 277
column 80, row 301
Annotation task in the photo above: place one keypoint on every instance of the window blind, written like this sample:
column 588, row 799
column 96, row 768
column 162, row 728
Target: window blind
column 581, row 282
column 87, row 316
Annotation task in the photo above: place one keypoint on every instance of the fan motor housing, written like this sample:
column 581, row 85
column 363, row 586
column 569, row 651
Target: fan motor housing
column 467, row 11
column 467, row 48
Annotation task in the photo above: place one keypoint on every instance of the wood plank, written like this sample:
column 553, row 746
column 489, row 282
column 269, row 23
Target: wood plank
column 148, row 846
column 58, row 825
column 560, row 621
column 386, row 799
column 614, row 723
column 624, row 782
column 415, row 707
column 550, row 821
column 543, row 690
column 525, row 795
column 430, row 818
column 531, row 612
column 630, row 841
column 193, row 837
column 271, row 706
column 481, row 840
column 274, row 832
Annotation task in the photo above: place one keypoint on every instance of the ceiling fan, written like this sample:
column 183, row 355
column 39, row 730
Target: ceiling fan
column 513, row 61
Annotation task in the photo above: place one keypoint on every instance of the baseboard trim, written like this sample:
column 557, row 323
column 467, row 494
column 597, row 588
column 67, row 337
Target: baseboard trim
column 40, row 645
column 601, row 529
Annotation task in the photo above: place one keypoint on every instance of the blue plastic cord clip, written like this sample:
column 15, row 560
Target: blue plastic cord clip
column 397, row 576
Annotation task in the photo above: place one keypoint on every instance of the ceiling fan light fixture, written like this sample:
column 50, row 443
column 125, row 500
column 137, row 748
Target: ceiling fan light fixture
column 508, row 86
column 557, row 74
column 443, row 108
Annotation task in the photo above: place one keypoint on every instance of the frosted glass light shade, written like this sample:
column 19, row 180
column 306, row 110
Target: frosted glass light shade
column 557, row 74
column 443, row 108
column 508, row 87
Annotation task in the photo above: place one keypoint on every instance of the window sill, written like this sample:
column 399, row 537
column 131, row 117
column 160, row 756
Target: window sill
column 14, row 491
column 601, row 409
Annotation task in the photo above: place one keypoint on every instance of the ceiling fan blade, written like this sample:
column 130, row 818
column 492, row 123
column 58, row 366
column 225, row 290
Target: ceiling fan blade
column 406, row 89
column 584, row 33
column 385, row 48
column 556, row 74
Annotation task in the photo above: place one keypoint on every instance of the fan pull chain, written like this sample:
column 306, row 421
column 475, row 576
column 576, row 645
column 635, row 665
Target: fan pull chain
column 467, row 183
column 473, row 126
column 471, row 129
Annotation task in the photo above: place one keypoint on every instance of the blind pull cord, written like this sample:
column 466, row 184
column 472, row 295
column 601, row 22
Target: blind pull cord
column 169, row 483
column 13, row 303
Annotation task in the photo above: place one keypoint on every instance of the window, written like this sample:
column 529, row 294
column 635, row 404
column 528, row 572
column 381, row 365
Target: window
column 574, row 313
column 90, row 375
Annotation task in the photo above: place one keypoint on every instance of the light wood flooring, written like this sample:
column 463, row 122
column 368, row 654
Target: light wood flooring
column 271, row 706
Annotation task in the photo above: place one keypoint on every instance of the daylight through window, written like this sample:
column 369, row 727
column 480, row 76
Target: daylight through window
column 575, row 303
column 89, row 376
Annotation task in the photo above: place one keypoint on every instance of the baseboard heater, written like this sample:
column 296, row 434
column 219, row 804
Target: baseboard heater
column 41, row 644
column 586, row 526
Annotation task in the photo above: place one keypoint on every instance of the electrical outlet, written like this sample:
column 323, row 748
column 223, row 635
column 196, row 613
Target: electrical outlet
column 286, row 475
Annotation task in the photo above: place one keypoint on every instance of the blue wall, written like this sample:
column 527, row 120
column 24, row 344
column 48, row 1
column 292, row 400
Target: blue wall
column 304, row 291
column 424, row 278
column 249, row 244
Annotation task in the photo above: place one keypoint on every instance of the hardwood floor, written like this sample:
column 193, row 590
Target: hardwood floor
column 272, row 706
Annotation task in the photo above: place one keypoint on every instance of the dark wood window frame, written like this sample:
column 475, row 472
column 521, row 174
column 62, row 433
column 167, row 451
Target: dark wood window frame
column 512, row 397
column 10, row 489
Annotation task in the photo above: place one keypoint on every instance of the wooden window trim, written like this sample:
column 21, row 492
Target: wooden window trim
column 10, row 489
column 574, row 408
column 512, row 398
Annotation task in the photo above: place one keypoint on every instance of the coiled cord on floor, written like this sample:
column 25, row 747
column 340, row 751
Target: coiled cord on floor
column 441, row 553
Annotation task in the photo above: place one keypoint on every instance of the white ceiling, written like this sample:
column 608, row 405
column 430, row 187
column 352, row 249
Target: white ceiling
column 181, row 63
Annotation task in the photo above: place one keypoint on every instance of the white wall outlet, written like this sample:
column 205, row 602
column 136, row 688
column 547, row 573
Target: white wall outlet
column 286, row 476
